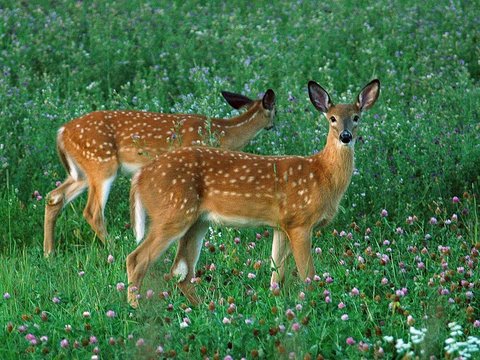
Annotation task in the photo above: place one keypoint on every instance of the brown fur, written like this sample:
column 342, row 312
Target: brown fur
column 94, row 146
column 183, row 190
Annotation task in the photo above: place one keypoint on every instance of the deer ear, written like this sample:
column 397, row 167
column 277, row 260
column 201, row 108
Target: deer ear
column 319, row 97
column 268, row 100
column 368, row 95
column 236, row 101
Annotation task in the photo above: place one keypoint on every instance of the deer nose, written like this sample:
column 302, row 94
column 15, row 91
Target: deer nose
column 345, row 136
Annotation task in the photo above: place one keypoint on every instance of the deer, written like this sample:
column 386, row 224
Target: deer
column 183, row 191
column 93, row 147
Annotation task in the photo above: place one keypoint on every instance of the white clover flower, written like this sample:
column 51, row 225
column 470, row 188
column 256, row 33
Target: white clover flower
column 450, row 341
column 388, row 339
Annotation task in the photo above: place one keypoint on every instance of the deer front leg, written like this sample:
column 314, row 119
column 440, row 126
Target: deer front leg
column 301, row 242
column 280, row 251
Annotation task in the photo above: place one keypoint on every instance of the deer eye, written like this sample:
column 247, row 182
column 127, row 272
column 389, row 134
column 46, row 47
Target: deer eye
column 356, row 118
column 333, row 119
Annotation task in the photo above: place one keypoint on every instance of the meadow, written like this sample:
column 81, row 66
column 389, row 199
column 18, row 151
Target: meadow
column 397, row 269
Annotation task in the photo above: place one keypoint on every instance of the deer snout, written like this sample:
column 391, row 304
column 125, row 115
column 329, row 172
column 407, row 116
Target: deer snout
column 346, row 136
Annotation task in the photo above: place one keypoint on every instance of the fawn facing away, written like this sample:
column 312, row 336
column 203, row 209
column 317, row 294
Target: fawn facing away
column 184, row 190
column 94, row 146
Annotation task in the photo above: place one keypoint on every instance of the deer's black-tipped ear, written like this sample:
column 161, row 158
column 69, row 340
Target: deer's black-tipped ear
column 368, row 95
column 268, row 100
column 236, row 101
column 319, row 97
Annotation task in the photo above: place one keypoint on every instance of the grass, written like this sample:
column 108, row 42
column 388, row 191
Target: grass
column 383, row 276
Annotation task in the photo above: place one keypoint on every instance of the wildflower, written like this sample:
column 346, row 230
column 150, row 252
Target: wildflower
column 454, row 218
column 30, row 337
column 455, row 200
column 299, row 307
column 236, row 240
column 248, row 321
column 350, row 341
column 81, row 273
column 316, row 278
column 421, row 265
column 469, row 295
column 384, row 213
column 354, row 292
column 111, row 341
column 149, row 293
column 251, row 276
column 68, row 328
column 110, row 314
column 476, row 323
column 226, row 321
column 281, row 328
column 384, row 281
column 110, row 259
column 328, row 300
column 289, row 314
column 433, row 221
column 22, row 328
column 363, row 346
column 341, row 305
column 140, row 342
column 86, row 314
column 93, row 339
column 410, row 320
column 64, row 343
column 58, row 183
column 258, row 236
column 43, row 339
column 121, row 286
column 344, row 317
column 183, row 324
column 56, row 300
column 228, row 357
column 296, row 327
column 159, row 349
column 6, row 296
column 388, row 339
column 318, row 251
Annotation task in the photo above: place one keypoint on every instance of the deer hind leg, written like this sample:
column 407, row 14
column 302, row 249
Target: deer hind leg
column 56, row 201
column 301, row 242
column 280, row 251
column 188, row 252
column 99, row 189
column 138, row 262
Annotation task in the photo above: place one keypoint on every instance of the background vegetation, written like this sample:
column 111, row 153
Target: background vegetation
column 401, row 256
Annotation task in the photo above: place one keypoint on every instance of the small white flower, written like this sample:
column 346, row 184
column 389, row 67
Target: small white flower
column 183, row 325
column 449, row 341
column 388, row 339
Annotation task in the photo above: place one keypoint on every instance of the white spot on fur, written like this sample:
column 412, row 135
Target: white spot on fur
column 106, row 186
column 181, row 270
column 139, row 219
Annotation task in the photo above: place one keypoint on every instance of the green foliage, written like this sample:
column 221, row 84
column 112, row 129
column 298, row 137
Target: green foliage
column 419, row 147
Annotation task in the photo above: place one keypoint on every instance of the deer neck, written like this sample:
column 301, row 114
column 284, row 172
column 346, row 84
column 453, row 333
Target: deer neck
column 336, row 163
column 236, row 132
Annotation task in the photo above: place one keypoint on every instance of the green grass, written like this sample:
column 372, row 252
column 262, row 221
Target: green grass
column 419, row 148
